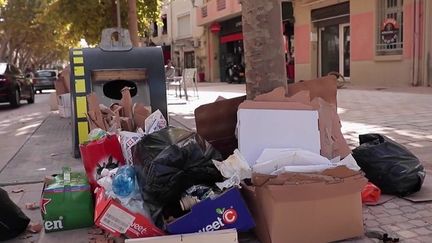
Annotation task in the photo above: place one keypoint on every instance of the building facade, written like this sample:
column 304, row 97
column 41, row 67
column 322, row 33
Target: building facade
column 179, row 36
column 223, row 24
column 370, row 42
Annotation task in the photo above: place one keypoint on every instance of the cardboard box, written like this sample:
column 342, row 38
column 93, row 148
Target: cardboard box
column 66, row 202
column 332, row 142
column 299, row 207
column 64, row 105
column 227, row 211
column 113, row 217
column 221, row 236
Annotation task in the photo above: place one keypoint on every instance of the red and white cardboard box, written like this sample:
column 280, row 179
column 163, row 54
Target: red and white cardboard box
column 112, row 216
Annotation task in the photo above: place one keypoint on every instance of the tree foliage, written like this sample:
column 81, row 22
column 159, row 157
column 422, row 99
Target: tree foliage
column 40, row 32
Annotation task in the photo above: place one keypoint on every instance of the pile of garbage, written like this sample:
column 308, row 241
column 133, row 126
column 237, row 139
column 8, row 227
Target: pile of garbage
column 288, row 155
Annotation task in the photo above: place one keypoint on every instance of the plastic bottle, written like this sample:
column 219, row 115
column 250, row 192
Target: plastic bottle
column 123, row 183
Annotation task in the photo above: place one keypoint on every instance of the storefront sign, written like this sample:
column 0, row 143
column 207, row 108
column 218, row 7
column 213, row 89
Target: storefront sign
column 389, row 31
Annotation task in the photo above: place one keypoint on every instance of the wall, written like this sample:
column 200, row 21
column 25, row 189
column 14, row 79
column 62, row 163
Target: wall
column 233, row 7
column 366, row 67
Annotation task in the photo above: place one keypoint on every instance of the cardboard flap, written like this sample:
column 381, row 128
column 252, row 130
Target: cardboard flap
column 140, row 114
column 325, row 87
column 333, row 143
column 126, row 102
column 274, row 105
column 279, row 94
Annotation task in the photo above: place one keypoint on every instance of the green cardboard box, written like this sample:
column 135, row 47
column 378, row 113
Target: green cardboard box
column 66, row 202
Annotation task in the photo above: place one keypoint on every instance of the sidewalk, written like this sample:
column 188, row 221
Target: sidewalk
column 404, row 116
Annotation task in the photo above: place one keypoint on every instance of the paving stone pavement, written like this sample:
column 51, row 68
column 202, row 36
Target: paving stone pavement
column 403, row 114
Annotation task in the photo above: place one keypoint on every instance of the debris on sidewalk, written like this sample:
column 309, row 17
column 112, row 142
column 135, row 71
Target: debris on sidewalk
column 389, row 165
column 156, row 183
column 18, row 190
column 32, row 206
column 34, row 227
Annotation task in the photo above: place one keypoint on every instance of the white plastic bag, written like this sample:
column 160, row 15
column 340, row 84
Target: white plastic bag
column 235, row 168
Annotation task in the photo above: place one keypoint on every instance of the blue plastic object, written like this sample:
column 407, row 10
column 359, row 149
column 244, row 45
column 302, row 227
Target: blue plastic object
column 124, row 181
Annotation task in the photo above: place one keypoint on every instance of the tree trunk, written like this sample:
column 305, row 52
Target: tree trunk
column 133, row 22
column 263, row 46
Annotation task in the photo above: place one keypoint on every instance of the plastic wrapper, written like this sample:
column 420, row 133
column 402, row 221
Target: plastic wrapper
column 120, row 180
column 389, row 165
column 170, row 161
column 97, row 134
column 127, row 141
column 370, row 193
column 235, row 168
column 155, row 122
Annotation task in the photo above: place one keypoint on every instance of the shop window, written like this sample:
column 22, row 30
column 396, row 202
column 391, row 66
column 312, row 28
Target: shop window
column 155, row 29
column 390, row 27
column 164, row 25
column 184, row 26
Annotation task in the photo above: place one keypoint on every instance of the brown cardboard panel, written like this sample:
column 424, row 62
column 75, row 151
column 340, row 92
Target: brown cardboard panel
column 274, row 105
column 333, row 143
column 126, row 124
column 325, row 87
column 140, row 113
column 261, row 230
column 216, row 123
column 425, row 193
column 279, row 94
column 126, row 102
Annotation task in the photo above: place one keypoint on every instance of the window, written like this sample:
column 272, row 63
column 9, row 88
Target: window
column 165, row 25
column 184, row 27
column 189, row 59
column 155, row 29
column 390, row 27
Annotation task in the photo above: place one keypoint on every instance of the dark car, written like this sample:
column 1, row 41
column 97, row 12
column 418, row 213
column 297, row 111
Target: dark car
column 14, row 86
column 44, row 79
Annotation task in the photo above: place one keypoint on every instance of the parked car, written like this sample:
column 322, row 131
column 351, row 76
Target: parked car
column 14, row 86
column 44, row 79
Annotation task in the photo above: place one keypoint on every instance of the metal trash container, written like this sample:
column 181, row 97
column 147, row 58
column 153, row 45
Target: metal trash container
column 108, row 68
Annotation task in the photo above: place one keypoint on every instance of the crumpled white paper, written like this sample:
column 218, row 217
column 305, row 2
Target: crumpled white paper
column 235, row 168
column 278, row 161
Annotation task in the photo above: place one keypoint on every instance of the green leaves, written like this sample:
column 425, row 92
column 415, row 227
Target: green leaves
column 42, row 31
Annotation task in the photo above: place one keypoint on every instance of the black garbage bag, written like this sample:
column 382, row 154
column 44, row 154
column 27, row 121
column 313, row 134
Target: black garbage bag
column 389, row 165
column 170, row 161
column 12, row 220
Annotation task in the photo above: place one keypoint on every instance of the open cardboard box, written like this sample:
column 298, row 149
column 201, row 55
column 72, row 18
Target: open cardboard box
column 299, row 207
column 291, row 123
column 226, row 211
column 113, row 217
